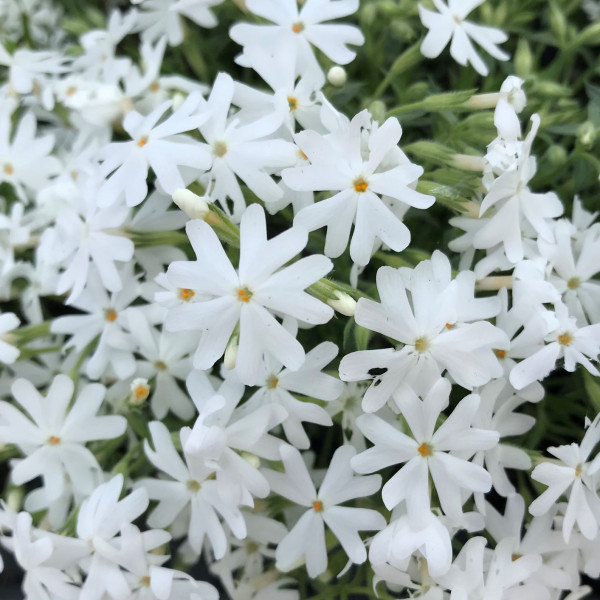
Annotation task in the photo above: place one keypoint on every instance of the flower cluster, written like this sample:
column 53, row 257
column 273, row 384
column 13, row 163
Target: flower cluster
column 228, row 344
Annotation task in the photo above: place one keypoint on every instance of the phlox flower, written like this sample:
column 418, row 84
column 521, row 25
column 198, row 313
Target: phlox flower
column 106, row 317
column 163, row 17
column 101, row 518
column 54, row 435
column 441, row 452
column 572, row 474
column 189, row 493
column 224, row 434
column 25, row 160
column 337, row 164
column 574, row 266
column 450, row 24
column 248, row 296
column 511, row 102
column 278, row 386
column 307, row 537
column 428, row 326
column 157, row 145
column 577, row 345
column 516, row 207
column 301, row 28
column 241, row 149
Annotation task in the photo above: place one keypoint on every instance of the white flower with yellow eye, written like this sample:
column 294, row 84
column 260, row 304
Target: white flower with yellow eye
column 307, row 537
column 441, row 452
column 157, row 145
column 248, row 298
column 337, row 164
column 300, row 29
column 53, row 437
column 449, row 23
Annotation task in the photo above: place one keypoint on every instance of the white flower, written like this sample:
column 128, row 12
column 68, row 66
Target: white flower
column 573, row 473
column 163, row 17
column 33, row 555
column 24, row 160
column 101, row 517
column 54, row 436
column 429, row 451
column 428, row 325
column 159, row 146
column 8, row 352
column 511, row 102
column 248, row 296
column 228, row 440
column 90, row 234
column 573, row 267
column 278, row 386
column 511, row 205
column 577, row 345
column 188, row 492
column 106, row 317
column 449, row 23
column 301, row 28
column 397, row 543
column 238, row 149
column 307, row 537
column 165, row 360
column 337, row 164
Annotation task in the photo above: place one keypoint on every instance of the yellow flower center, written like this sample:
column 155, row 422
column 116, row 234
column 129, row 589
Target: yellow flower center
column 421, row 344
column 145, row 581
column 515, row 556
column 244, row 294
column 302, row 155
column 565, row 339
column 70, row 91
column 53, row 440
column 298, row 27
column 578, row 470
column 360, row 185
column 573, row 283
column 186, row 294
column 425, row 449
column 160, row 365
column 272, row 382
column 140, row 393
column 193, row 485
column 292, row 103
column 220, row 149
column 500, row 353
column 155, row 86
column 318, row 506
column 143, row 141
column 110, row 314
column 8, row 169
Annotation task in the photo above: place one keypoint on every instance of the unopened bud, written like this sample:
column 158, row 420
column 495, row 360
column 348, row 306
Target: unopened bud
column 231, row 353
column 556, row 155
column 140, row 390
column 378, row 111
column 194, row 206
column 337, row 76
column 251, row 459
column 345, row 304
column 586, row 134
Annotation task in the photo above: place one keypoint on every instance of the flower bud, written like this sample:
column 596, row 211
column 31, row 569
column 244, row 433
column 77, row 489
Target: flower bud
column 194, row 206
column 586, row 134
column 345, row 304
column 231, row 353
column 337, row 76
column 378, row 110
column 140, row 390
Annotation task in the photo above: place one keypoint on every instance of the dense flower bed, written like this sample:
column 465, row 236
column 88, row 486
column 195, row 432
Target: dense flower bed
column 300, row 296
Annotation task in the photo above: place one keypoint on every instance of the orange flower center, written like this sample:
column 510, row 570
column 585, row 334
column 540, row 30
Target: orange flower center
column 244, row 295
column 318, row 506
column 360, row 185
column 565, row 339
column 293, row 103
column 272, row 382
column 8, row 169
column 298, row 27
column 143, row 141
column 186, row 294
column 53, row 440
column 500, row 353
column 110, row 314
column 425, row 449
